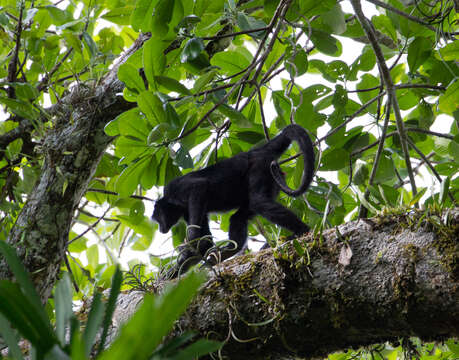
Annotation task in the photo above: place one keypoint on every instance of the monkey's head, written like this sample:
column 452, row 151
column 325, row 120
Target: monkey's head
column 166, row 214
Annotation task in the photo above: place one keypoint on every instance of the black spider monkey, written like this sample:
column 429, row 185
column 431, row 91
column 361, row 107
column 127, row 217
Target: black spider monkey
column 249, row 181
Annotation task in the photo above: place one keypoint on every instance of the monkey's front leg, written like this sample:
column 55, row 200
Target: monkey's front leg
column 198, row 240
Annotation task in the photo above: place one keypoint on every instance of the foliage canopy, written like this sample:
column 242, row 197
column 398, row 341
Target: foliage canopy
column 217, row 77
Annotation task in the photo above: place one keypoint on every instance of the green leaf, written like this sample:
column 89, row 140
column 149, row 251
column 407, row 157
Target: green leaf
column 90, row 44
column 162, row 16
column 324, row 42
column 24, row 281
column 368, row 81
column 10, row 338
column 449, row 101
column 444, row 190
column 140, row 336
column 204, row 79
column 92, row 255
column 231, row 61
column 22, row 313
column 78, row 245
column 360, row 173
column 59, row 16
column 418, row 196
column 129, row 178
column 334, row 159
column 158, row 133
column 152, row 107
column 130, row 149
column 119, row 16
column 95, row 318
column 191, row 50
column 142, row 15
column 150, row 175
column 418, row 52
column 136, row 212
column 449, row 53
column 234, row 115
column 453, row 149
column 386, row 170
column 299, row 249
column 197, row 349
column 154, row 59
column 183, row 158
column 172, row 85
column 334, row 18
column 246, row 23
column 63, row 306
column 26, row 91
column 132, row 123
column 20, row 107
column 297, row 63
column 441, row 146
column 117, row 280
column 309, row 8
column 129, row 75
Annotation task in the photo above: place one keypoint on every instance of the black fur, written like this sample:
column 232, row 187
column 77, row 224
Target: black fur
column 249, row 181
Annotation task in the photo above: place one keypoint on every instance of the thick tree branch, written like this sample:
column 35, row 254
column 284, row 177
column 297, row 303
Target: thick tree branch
column 71, row 156
column 402, row 280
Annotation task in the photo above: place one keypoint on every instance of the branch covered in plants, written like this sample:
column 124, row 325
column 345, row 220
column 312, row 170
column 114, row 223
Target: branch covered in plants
column 299, row 301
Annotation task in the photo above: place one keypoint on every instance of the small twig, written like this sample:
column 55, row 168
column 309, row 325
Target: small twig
column 351, row 117
column 90, row 227
column 263, row 120
column 402, row 13
column 428, row 132
column 44, row 82
column 363, row 211
column 218, row 37
column 116, row 194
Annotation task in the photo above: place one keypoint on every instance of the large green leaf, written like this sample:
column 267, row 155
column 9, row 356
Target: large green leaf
column 128, row 74
column 449, row 101
column 154, row 59
column 310, row 8
column 172, row 85
column 334, row 159
column 325, row 43
column 63, row 306
column 140, row 336
column 418, row 52
column 152, row 107
column 142, row 15
column 247, row 23
column 231, row 61
column 449, row 52
column 129, row 178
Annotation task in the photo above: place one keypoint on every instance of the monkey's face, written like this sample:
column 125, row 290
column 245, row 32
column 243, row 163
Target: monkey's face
column 166, row 215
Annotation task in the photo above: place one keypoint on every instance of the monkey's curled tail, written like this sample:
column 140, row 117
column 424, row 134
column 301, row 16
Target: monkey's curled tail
column 296, row 133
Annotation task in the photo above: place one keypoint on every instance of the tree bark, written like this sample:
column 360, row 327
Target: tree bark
column 71, row 152
column 366, row 282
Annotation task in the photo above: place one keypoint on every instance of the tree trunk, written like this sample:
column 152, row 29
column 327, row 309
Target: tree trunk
column 369, row 282
column 71, row 152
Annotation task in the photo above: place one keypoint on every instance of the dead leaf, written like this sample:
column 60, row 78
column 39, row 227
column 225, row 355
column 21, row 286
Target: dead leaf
column 345, row 255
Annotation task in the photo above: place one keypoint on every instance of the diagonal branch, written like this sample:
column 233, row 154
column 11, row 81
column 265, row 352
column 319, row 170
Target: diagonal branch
column 13, row 64
column 390, row 88
column 402, row 13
